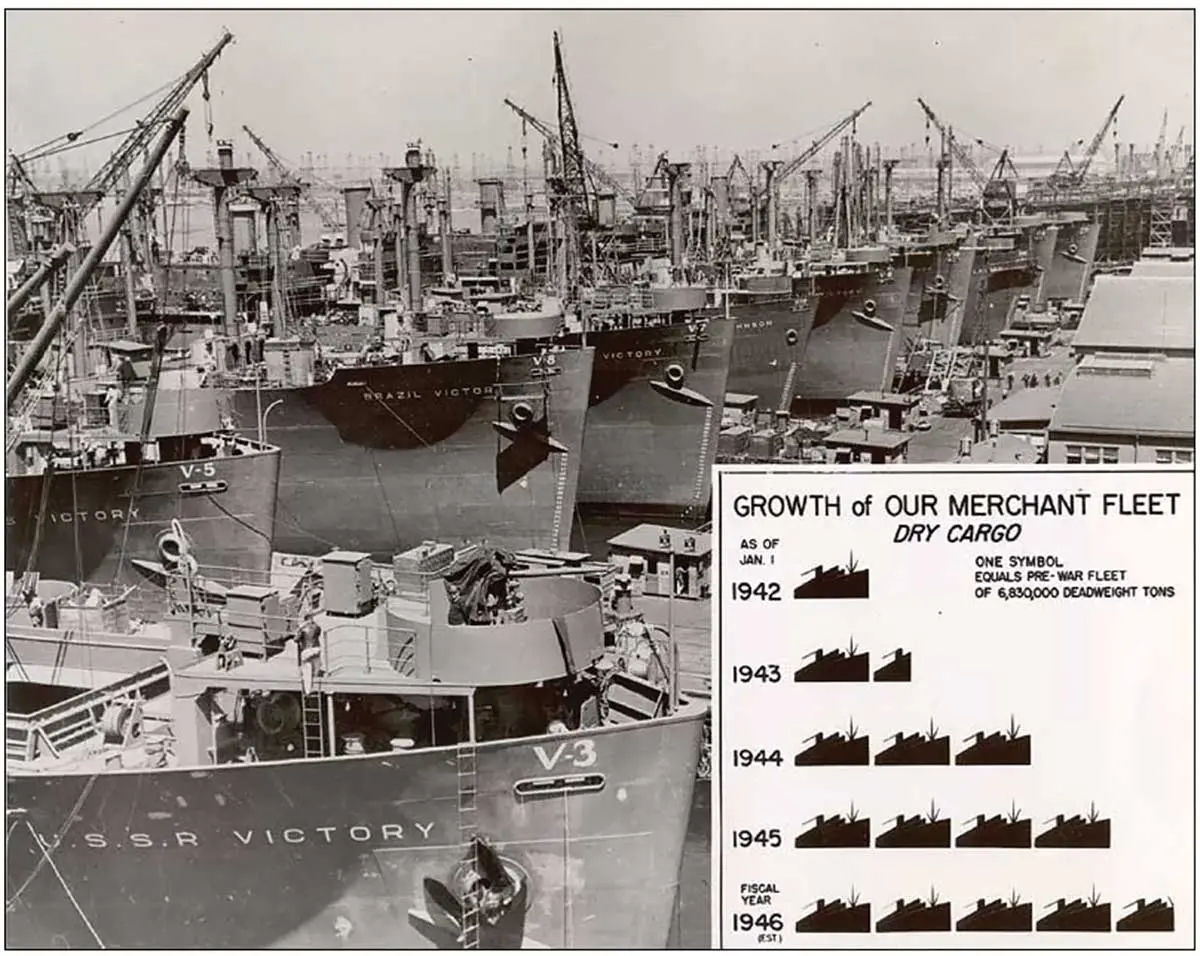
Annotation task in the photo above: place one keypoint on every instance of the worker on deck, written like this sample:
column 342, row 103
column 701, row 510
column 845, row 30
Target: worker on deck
column 126, row 375
column 35, row 607
column 308, row 646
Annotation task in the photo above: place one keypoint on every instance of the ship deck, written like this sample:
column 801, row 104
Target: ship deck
column 281, row 672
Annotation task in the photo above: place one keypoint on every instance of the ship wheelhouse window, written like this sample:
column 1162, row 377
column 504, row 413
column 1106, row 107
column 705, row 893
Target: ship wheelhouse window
column 1173, row 456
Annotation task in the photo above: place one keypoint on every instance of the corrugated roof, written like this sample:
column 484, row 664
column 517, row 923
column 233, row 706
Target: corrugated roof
column 1119, row 397
column 1163, row 269
column 1139, row 313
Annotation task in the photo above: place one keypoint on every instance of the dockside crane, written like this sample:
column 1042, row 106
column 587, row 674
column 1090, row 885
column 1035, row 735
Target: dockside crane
column 79, row 281
column 1069, row 175
column 67, row 210
column 289, row 178
column 997, row 193
column 776, row 172
column 574, row 187
column 1160, row 149
column 598, row 173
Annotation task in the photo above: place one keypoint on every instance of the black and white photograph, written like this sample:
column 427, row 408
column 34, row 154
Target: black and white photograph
column 368, row 376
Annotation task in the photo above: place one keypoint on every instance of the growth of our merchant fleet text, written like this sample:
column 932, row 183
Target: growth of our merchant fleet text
column 1141, row 505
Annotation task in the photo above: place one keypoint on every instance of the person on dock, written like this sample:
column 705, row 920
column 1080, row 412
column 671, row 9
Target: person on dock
column 308, row 646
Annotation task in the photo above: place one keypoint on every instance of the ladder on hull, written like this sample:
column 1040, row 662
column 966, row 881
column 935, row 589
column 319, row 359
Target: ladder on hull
column 313, row 724
column 468, row 829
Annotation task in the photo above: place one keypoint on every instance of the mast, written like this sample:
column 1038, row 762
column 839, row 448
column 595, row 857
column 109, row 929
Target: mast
column 53, row 322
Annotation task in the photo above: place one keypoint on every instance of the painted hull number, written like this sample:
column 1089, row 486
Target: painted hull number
column 574, row 753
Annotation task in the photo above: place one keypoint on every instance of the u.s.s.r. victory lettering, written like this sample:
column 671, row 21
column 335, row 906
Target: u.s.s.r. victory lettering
column 265, row 836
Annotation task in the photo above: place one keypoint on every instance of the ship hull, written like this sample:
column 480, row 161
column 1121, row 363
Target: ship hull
column 948, row 331
column 381, row 458
column 853, row 347
column 334, row 853
column 994, row 289
column 99, row 520
column 931, row 294
column 770, row 340
column 648, row 444
column 1071, row 266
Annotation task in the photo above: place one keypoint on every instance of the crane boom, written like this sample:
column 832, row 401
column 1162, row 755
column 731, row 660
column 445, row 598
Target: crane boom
column 79, row 281
column 277, row 164
column 1093, row 147
column 961, row 156
column 574, row 173
column 597, row 171
column 819, row 144
column 114, row 168
column 289, row 178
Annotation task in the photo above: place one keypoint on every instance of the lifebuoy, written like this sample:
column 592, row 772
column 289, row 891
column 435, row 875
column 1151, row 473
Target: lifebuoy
column 1072, row 248
column 792, row 337
column 171, row 548
column 521, row 414
column 674, row 375
column 869, row 308
column 939, row 282
column 174, row 545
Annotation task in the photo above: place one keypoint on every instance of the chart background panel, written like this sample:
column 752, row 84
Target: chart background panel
column 1103, row 686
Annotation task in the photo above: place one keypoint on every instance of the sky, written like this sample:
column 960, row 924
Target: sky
column 368, row 82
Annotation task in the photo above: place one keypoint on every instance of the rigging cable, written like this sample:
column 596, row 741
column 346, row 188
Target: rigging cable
column 73, row 136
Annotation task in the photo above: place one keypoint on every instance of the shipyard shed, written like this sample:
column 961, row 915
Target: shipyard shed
column 645, row 554
column 1003, row 449
column 1127, row 409
column 1027, row 411
column 1163, row 269
column 1153, row 315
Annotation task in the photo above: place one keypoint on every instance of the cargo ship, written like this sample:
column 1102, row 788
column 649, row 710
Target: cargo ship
column 1005, row 266
column 932, row 291
column 475, row 764
column 419, row 445
column 659, row 381
column 772, row 323
column 1075, row 237
column 857, row 332
column 86, row 496
column 662, row 367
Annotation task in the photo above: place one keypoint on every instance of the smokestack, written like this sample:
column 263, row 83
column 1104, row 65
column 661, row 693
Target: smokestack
column 491, row 199
column 355, row 198
column 412, row 159
column 675, row 184
column 720, row 191
column 220, row 180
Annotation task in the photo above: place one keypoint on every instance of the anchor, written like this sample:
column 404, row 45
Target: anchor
column 530, row 445
column 867, row 316
column 673, row 388
column 493, row 894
